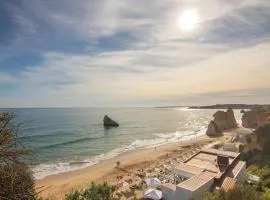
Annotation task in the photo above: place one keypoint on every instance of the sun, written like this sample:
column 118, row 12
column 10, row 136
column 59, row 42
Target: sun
column 188, row 20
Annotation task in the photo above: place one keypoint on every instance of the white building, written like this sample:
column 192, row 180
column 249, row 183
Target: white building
column 204, row 171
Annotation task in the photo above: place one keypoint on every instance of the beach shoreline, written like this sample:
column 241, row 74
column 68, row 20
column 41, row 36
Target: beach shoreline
column 57, row 185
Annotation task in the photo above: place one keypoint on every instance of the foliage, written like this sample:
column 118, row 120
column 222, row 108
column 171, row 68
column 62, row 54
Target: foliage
column 263, row 134
column 240, row 192
column 16, row 181
column 266, row 195
column 11, row 150
column 263, row 108
column 93, row 192
column 262, row 172
column 261, row 168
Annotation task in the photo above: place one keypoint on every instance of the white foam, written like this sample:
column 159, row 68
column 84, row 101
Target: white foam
column 46, row 169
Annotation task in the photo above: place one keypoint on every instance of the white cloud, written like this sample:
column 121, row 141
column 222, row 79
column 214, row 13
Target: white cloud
column 160, row 64
column 110, row 78
column 96, row 18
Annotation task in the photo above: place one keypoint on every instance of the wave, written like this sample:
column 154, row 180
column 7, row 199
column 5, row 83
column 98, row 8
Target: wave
column 70, row 142
column 33, row 137
column 45, row 169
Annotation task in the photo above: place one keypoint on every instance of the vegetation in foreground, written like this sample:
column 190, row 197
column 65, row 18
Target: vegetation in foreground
column 241, row 192
column 93, row 192
column 16, row 180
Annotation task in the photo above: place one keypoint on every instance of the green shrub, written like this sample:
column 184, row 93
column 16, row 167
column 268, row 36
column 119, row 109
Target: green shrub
column 266, row 183
column 241, row 192
column 262, row 172
column 254, row 170
column 266, row 195
column 93, row 192
column 265, row 172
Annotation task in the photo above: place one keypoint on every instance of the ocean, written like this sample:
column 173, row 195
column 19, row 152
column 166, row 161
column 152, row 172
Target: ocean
column 66, row 139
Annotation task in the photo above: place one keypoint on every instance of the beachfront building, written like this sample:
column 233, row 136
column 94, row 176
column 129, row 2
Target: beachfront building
column 206, row 170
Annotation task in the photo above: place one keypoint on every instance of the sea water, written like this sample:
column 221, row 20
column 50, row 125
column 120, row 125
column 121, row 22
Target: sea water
column 66, row 139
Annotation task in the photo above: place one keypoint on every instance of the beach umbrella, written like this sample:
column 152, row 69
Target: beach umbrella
column 152, row 181
column 153, row 194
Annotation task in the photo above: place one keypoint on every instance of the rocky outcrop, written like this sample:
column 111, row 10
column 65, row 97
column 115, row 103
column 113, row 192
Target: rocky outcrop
column 250, row 119
column 222, row 121
column 255, row 119
column 108, row 122
column 212, row 130
column 231, row 119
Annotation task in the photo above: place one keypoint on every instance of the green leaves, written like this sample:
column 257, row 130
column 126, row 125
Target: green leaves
column 241, row 192
column 93, row 192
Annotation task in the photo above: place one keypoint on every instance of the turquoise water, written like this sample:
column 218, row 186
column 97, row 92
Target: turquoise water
column 65, row 139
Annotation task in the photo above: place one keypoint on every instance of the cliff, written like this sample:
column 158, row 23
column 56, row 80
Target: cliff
column 255, row 119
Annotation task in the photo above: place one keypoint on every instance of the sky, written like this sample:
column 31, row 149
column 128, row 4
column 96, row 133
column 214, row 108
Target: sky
column 94, row 53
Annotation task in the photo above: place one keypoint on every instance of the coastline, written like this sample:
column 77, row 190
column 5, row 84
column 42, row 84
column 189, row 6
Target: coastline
column 57, row 185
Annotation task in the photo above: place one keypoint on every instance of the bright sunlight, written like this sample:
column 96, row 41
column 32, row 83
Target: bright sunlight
column 188, row 20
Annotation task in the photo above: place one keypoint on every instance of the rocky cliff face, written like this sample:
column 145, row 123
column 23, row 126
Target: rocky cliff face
column 255, row 119
column 222, row 121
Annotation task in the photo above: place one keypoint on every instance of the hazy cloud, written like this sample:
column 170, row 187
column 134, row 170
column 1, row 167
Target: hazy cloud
column 96, row 53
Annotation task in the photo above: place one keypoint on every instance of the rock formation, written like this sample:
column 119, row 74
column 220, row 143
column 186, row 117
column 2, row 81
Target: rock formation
column 231, row 119
column 212, row 130
column 108, row 122
column 250, row 119
column 222, row 121
column 255, row 119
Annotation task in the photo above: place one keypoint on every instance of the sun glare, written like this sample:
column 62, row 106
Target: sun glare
column 188, row 20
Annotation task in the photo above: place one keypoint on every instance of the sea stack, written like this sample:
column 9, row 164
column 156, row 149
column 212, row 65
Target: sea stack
column 108, row 122
column 231, row 119
column 223, row 120
column 212, row 130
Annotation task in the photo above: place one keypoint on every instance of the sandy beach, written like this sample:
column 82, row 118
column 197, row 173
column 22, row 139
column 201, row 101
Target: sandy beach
column 56, row 186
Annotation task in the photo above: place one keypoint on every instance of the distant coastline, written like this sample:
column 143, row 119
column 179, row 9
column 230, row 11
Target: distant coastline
column 220, row 106
column 226, row 106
